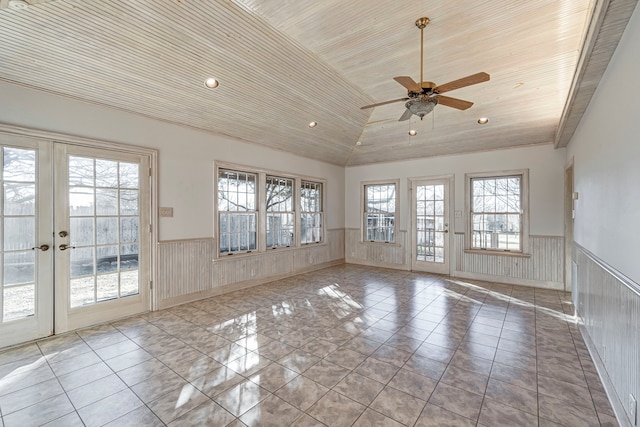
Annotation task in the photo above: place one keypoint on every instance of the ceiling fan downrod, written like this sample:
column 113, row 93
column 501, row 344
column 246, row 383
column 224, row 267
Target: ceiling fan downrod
column 421, row 23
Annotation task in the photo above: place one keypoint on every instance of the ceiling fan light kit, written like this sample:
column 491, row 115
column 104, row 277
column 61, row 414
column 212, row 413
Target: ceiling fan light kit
column 422, row 97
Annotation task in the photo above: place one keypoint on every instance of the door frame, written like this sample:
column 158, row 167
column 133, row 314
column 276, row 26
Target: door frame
column 55, row 137
column 411, row 181
column 569, row 209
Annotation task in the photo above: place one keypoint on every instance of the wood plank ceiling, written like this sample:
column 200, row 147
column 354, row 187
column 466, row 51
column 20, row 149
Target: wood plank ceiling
column 282, row 65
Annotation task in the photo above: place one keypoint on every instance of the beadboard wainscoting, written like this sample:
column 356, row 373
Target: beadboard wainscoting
column 608, row 307
column 188, row 270
column 542, row 269
column 390, row 255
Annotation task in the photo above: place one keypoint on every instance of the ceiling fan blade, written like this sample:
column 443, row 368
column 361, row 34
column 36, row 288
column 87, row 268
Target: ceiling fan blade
column 405, row 116
column 383, row 103
column 408, row 82
column 463, row 82
column 459, row 104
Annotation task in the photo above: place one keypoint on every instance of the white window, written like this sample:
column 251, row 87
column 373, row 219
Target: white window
column 310, row 212
column 237, row 214
column 380, row 212
column 280, row 212
column 498, row 211
column 258, row 210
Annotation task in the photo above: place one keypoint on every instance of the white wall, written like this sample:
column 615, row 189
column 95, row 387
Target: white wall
column 186, row 155
column 606, row 153
column 546, row 177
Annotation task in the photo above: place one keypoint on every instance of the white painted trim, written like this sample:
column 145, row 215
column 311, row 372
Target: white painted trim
column 403, row 267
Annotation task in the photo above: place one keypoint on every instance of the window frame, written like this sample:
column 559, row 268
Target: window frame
column 364, row 212
column 255, row 212
column 524, row 211
column 319, row 212
column 291, row 212
column 261, row 211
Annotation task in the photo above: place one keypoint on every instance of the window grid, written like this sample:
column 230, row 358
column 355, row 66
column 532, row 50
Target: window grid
column 237, row 213
column 280, row 212
column 311, row 212
column 104, row 229
column 380, row 212
column 496, row 213
column 430, row 228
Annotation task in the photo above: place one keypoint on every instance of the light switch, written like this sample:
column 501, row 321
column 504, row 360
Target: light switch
column 166, row 212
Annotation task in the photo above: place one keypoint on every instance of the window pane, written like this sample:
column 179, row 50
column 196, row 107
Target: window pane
column 19, row 268
column 129, row 175
column 129, row 255
column 107, row 259
column 129, row 201
column 81, row 201
column 19, row 165
column 19, row 199
column 106, row 201
column 19, row 233
column 81, row 171
column 81, row 231
column 106, row 173
column 19, row 302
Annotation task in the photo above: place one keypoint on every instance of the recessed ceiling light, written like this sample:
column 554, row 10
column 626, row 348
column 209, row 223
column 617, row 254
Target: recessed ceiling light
column 18, row 4
column 313, row 124
column 483, row 121
column 413, row 132
column 211, row 83
column 359, row 143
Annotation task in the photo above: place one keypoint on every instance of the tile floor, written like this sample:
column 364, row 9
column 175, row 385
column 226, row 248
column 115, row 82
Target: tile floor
column 342, row 346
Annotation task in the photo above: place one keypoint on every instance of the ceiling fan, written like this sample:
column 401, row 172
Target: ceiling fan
column 424, row 96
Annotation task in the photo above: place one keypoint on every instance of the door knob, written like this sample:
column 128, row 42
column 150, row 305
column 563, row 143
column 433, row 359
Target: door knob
column 446, row 231
column 63, row 234
column 64, row 247
column 43, row 248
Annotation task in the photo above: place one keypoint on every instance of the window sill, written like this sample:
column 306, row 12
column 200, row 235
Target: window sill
column 499, row 253
column 222, row 258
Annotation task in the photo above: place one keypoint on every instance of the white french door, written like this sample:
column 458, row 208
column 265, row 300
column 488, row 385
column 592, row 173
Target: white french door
column 102, row 235
column 430, row 225
column 26, row 260
column 75, row 237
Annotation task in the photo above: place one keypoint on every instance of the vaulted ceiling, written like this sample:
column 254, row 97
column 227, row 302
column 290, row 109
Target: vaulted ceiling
column 283, row 64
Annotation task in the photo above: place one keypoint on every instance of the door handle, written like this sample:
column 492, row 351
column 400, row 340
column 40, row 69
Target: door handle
column 446, row 231
column 63, row 234
column 64, row 247
column 43, row 248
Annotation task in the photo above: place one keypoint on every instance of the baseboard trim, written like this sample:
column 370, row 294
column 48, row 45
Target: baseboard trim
column 195, row 296
column 609, row 389
column 358, row 261
column 557, row 286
